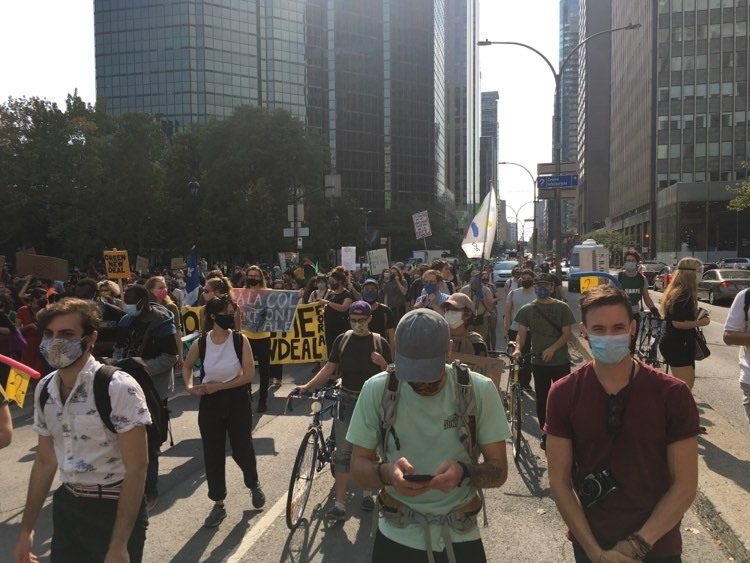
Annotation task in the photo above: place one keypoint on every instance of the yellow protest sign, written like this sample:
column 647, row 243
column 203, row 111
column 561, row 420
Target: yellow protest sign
column 306, row 342
column 589, row 282
column 117, row 264
column 18, row 379
column 191, row 319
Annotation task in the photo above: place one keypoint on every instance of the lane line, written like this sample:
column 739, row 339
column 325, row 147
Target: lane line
column 255, row 533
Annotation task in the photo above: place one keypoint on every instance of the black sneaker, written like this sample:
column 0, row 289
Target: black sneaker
column 215, row 517
column 543, row 442
column 368, row 503
column 336, row 513
column 257, row 496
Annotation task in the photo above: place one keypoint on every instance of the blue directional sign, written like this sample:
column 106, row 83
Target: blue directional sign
column 562, row 181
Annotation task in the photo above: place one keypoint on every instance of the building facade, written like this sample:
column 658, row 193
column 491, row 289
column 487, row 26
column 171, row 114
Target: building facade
column 368, row 75
column 488, row 144
column 593, row 116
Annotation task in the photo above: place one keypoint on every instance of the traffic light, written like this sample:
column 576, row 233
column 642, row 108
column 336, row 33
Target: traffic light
column 647, row 236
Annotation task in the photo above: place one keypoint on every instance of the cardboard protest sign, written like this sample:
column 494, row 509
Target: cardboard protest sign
column 141, row 264
column 349, row 257
column 306, row 342
column 378, row 260
column 18, row 380
column 117, row 264
column 177, row 263
column 490, row 367
column 266, row 310
column 38, row 266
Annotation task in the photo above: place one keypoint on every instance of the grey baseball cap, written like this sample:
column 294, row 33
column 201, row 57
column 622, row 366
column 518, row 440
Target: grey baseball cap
column 422, row 338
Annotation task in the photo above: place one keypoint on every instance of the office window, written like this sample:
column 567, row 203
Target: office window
column 728, row 60
column 688, row 62
column 676, row 63
column 687, row 176
column 700, row 149
column 727, row 89
column 740, row 28
column 662, row 151
column 663, row 180
column 674, row 151
column 700, row 121
column 663, row 6
column 676, row 34
column 663, row 122
column 714, row 4
column 714, row 120
column 701, row 4
column 726, row 175
column 676, row 122
column 727, row 4
column 714, row 89
column 675, row 93
column 663, row 35
column 664, row 94
column 688, row 5
column 688, row 91
column 687, row 121
column 700, row 176
column 739, row 118
column 713, row 149
column 700, row 90
column 726, row 119
column 726, row 148
column 702, row 31
column 676, row 5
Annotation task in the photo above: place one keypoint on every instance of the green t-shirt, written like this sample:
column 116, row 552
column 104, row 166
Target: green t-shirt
column 543, row 334
column 427, row 429
column 633, row 288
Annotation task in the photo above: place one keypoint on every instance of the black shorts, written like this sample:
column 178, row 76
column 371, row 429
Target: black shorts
column 678, row 352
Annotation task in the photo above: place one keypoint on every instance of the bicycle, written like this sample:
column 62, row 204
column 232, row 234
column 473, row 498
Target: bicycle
column 513, row 399
column 313, row 454
column 650, row 333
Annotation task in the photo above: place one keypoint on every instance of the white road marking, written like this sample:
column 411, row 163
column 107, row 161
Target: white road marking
column 255, row 533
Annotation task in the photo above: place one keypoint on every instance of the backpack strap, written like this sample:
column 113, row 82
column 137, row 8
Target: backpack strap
column 376, row 343
column 102, row 400
column 387, row 410
column 342, row 346
column 467, row 410
column 238, row 344
column 202, row 352
column 44, row 394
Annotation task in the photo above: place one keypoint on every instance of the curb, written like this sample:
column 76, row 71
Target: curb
column 712, row 519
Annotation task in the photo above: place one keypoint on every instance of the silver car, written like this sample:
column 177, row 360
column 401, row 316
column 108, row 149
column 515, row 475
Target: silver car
column 501, row 271
column 722, row 284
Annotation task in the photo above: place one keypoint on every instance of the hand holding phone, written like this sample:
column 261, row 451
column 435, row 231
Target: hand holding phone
column 416, row 478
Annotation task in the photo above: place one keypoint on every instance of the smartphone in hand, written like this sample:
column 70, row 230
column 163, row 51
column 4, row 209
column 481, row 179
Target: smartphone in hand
column 416, row 478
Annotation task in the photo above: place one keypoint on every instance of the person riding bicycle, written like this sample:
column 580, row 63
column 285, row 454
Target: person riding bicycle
column 516, row 299
column 356, row 355
column 635, row 286
column 428, row 421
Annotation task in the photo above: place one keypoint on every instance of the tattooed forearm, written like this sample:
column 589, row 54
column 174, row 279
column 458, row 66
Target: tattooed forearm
column 486, row 475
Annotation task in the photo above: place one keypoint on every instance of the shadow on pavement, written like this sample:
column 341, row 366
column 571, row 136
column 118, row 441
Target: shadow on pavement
column 724, row 463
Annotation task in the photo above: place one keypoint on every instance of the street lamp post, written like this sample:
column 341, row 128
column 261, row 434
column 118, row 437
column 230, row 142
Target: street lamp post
column 557, row 133
column 533, row 181
column 516, row 213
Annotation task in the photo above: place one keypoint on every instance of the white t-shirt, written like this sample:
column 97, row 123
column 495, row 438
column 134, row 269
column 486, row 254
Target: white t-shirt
column 221, row 363
column 518, row 298
column 511, row 284
column 736, row 323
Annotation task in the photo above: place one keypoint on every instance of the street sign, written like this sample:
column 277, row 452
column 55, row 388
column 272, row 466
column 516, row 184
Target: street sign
column 565, row 193
column 301, row 232
column 299, row 243
column 288, row 232
column 300, row 212
column 421, row 224
column 549, row 168
column 560, row 181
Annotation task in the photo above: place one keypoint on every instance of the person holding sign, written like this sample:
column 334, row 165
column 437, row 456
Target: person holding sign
column 260, row 342
column 336, row 302
column 224, row 410
column 356, row 356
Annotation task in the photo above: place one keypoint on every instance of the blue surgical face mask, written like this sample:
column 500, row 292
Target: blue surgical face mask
column 630, row 266
column 610, row 349
column 60, row 352
column 542, row 292
column 429, row 287
column 131, row 309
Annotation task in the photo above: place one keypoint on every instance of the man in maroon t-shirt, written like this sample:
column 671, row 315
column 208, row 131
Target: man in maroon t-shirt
column 622, row 448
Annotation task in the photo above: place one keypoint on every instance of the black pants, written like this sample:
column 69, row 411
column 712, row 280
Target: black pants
column 82, row 529
column 386, row 550
column 262, row 353
column 220, row 414
column 543, row 378
column 524, row 372
column 581, row 557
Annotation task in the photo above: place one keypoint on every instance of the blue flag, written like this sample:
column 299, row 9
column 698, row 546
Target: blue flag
column 193, row 279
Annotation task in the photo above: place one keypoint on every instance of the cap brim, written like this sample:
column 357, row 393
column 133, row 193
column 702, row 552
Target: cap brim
column 419, row 370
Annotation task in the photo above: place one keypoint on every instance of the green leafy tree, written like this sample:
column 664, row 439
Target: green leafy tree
column 614, row 241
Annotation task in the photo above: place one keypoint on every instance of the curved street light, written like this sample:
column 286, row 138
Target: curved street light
column 557, row 133
column 534, row 195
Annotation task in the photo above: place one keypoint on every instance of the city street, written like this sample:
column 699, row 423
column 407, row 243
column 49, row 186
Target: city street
column 523, row 522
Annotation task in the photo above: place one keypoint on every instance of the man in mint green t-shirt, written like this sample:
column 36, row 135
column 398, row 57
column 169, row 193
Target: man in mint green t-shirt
column 425, row 443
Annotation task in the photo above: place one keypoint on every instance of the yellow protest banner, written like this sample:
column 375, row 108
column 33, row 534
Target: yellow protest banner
column 589, row 282
column 191, row 319
column 18, row 379
column 306, row 342
column 117, row 264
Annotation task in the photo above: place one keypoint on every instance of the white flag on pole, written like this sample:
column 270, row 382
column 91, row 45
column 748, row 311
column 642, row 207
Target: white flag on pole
column 481, row 232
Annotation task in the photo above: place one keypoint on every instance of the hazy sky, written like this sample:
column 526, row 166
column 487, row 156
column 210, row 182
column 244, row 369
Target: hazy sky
column 48, row 51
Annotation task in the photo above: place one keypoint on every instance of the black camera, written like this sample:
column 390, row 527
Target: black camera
column 596, row 486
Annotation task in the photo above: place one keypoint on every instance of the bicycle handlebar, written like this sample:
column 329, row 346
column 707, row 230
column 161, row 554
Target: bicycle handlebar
column 325, row 392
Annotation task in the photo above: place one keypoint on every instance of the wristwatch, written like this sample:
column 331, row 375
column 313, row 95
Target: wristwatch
column 465, row 475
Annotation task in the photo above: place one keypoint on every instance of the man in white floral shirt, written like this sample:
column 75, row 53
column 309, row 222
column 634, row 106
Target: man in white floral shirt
column 99, row 510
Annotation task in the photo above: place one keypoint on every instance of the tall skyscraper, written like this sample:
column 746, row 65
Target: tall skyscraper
column 593, row 116
column 488, row 144
column 679, row 126
column 367, row 75
column 462, row 103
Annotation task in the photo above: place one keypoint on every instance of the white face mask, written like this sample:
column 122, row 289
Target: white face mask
column 454, row 318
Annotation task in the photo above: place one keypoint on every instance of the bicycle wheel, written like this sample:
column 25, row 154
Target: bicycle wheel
column 516, row 420
column 301, row 481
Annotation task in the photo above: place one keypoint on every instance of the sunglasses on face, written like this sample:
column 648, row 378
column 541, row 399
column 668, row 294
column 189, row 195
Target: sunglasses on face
column 614, row 415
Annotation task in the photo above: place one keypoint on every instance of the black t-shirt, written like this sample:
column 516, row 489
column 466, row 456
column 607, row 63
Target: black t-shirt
column 382, row 320
column 415, row 290
column 683, row 309
column 336, row 322
column 355, row 364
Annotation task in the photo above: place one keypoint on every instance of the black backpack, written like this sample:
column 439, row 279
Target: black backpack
column 236, row 339
column 158, row 430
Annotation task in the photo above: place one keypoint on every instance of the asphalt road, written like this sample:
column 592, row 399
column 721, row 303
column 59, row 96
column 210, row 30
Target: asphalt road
column 523, row 522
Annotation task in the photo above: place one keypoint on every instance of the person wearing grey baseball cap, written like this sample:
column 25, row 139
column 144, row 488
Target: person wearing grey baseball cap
column 419, row 444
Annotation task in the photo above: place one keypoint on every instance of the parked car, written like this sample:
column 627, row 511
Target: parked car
column 709, row 266
column 651, row 269
column 662, row 279
column 722, row 284
column 501, row 271
column 734, row 263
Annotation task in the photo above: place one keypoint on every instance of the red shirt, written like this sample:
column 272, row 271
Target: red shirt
column 658, row 410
